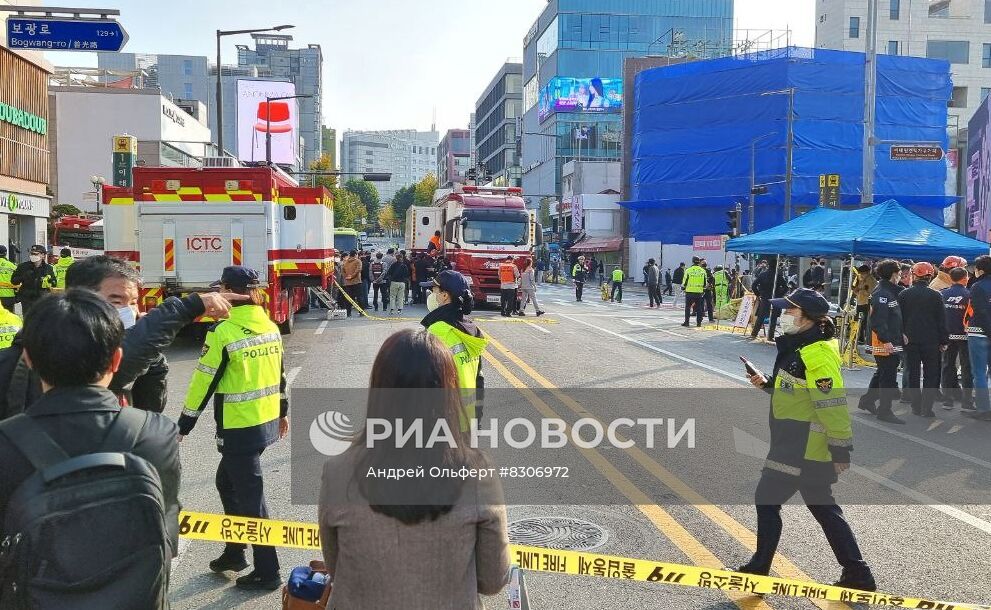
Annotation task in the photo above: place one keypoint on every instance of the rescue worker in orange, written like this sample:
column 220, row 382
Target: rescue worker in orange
column 509, row 283
column 433, row 248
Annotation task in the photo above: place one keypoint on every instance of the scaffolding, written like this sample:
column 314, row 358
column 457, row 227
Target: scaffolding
column 679, row 44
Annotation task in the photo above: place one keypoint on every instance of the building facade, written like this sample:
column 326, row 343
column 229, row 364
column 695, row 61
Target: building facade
column 573, row 70
column 85, row 120
column 453, row 157
column 407, row 154
column 958, row 31
column 329, row 145
column 497, row 112
column 192, row 77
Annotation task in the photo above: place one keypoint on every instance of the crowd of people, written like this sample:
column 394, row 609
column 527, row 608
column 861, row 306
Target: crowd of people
column 391, row 279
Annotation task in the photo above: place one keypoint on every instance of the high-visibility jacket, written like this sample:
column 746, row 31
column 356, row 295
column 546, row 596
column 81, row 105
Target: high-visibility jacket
column 507, row 273
column 720, row 278
column 695, row 279
column 10, row 323
column 617, row 275
column 467, row 352
column 241, row 367
column 810, row 420
column 6, row 272
column 61, row 268
column 435, row 240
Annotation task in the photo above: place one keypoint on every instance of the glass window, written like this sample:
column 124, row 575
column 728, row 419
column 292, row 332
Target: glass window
column 187, row 67
column 530, row 94
column 895, row 11
column 854, row 27
column 953, row 51
column 547, row 43
column 984, row 93
column 959, row 99
column 514, row 83
column 500, row 228
column 986, row 59
column 187, row 90
column 892, row 47
column 939, row 9
column 987, row 11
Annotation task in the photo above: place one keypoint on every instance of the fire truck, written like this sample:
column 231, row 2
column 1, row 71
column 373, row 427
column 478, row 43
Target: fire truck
column 81, row 234
column 182, row 226
column 480, row 227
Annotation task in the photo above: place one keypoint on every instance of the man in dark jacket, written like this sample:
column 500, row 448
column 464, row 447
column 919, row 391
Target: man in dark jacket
column 979, row 336
column 679, row 275
column 956, row 300
column 35, row 277
column 141, row 379
column 814, row 277
column 764, row 285
column 886, row 343
column 924, row 325
column 73, row 343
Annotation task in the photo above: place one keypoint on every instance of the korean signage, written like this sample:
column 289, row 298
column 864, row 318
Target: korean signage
column 125, row 155
column 707, row 242
column 65, row 34
column 908, row 152
column 258, row 116
column 829, row 190
column 564, row 94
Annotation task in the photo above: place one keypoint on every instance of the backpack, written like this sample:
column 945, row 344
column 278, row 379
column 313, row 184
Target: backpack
column 85, row 532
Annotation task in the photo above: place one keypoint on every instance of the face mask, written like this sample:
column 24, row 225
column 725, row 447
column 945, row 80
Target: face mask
column 127, row 316
column 35, row 258
column 789, row 324
column 432, row 302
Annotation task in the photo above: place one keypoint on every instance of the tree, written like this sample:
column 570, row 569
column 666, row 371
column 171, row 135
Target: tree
column 348, row 209
column 424, row 190
column 323, row 165
column 545, row 211
column 387, row 219
column 368, row 194
column 402, row 201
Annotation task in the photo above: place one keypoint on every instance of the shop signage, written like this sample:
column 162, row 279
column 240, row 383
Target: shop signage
column 23, row 119
column 25, row 205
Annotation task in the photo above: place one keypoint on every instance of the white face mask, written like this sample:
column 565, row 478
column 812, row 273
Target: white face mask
column 432, row 302
column 789, row 324
column 128, row 316
column 35, row 258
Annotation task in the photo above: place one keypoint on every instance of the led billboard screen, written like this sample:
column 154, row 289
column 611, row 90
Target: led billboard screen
column 256, row 114
column 564, row 94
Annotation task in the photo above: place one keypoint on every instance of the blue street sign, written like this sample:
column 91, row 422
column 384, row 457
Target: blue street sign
column 55, row 34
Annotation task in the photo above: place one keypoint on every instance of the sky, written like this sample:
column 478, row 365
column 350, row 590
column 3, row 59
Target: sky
column 388, row 64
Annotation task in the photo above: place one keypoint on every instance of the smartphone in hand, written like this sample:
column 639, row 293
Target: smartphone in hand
column 751, row 369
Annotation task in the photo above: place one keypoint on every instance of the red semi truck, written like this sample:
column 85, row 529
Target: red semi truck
column 480, row 226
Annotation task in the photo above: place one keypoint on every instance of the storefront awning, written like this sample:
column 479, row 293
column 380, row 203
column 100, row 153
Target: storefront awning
column 598, row 244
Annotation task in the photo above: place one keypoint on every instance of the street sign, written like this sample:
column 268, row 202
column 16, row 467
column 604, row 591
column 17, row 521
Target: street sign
column 125, row 156
column 909, row 152
column 65, row 34
column 829, row 190
column 758, row 189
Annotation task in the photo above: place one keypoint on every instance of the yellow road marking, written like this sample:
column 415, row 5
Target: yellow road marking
column 662, row 520
column 731, row 526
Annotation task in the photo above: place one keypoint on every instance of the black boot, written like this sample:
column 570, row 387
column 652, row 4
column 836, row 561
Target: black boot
column 861, row 579
column 229, row 562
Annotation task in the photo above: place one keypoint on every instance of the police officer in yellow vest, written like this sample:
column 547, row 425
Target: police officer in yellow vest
column 694, row 285
column 720, row 278
column 811, row 436
column 10, row 324
column 449, row 302
column 617, row 284
column 6, row 287
column 241, row 367
column 61, row 267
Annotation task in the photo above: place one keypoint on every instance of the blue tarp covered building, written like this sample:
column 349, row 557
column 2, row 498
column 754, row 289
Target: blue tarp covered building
column 695, row 124
column 886, row 230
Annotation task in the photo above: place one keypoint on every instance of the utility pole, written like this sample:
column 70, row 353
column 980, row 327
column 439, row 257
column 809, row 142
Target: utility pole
column 870, row 105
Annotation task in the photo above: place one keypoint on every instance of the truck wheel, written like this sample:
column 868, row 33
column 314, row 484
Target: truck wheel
column 286, row 327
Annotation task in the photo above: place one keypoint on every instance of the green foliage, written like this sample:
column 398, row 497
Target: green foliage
column 348, row 209
column 402, row 201
column 368, row 194
column 423, row 191
column 323, row 165
column 65, row 209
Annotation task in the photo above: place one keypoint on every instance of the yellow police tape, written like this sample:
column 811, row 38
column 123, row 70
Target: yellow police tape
column 361, row 311
column 299, row 535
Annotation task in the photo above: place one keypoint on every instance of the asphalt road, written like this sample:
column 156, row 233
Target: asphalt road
column 924, row 525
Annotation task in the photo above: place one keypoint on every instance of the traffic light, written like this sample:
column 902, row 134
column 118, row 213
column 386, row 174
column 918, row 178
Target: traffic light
column 733, row 222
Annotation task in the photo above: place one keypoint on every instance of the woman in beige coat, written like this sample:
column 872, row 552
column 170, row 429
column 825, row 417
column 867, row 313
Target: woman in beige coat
column 421, row 541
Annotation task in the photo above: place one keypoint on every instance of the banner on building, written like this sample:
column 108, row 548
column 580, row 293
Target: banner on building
column 977, row 223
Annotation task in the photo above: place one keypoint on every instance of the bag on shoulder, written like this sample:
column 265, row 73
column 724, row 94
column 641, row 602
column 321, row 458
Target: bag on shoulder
column 85, row 532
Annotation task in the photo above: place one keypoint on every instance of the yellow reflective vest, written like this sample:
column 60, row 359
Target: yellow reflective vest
column 695, row 278
column 10, row 323
column 241, row 366
column 467, row 353
column 61, row 267
column 617, row 275
column 6, row 272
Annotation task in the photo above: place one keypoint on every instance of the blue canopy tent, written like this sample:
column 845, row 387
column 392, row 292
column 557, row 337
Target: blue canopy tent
column 886, row 230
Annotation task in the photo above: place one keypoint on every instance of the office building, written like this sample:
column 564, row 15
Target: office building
column 329, row 145
column 958, row 31
column 191, row 77
column 453, row 157
column 407, row 154
column 496, row 114
column 573, row 74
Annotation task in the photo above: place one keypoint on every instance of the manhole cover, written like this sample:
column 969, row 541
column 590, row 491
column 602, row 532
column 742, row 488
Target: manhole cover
column 558, row 533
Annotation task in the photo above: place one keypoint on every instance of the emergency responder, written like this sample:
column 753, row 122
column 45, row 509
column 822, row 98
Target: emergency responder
column 693, row 285
column 241, row 366
column 721, row 279
column 617, row 284
column 434, row 247
column 956, row 300
column 35, row 278
column 886, row 343
column 449, row 304
column 924, row 327
column 509, row 283
column 61, row 267
column 578, row 275
column 811, row 436
column 10, row 324
column 942, row 281
column 978, row 323
column 7, row 268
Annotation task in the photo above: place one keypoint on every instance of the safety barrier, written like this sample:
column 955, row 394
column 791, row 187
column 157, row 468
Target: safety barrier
column 306, row 536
